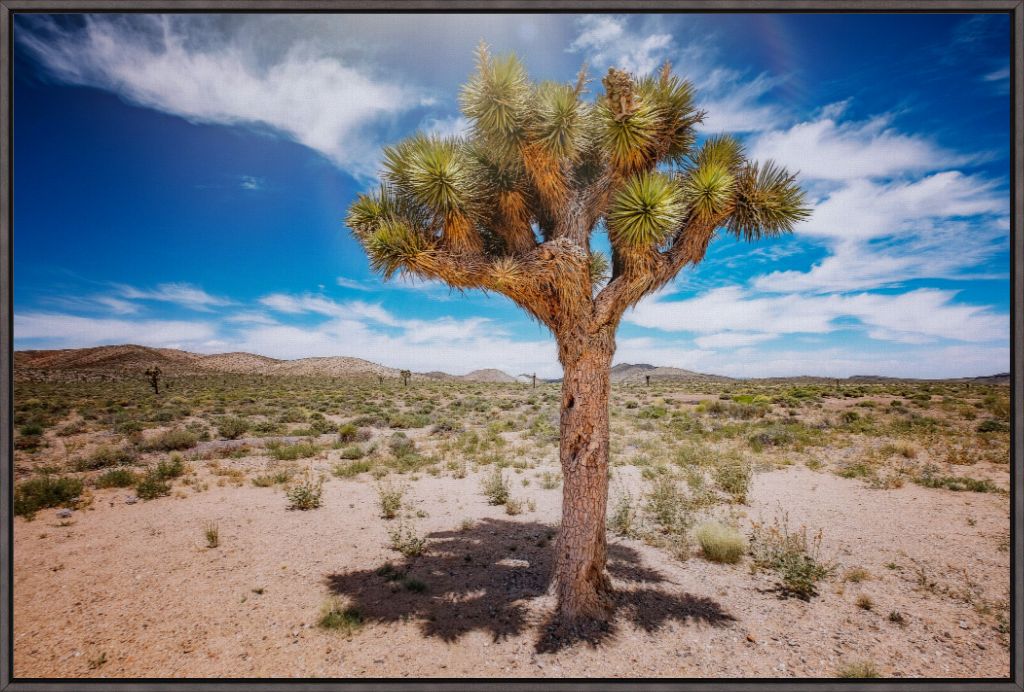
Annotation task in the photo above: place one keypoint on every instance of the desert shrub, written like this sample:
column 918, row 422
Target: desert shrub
column 389, row 498
column 401, row 446
column 212, row 535
column 352, row 469
column 171, row 440
column 151, row 486
column 352, row 452
column 115, row 478
column 335, row 615
column 105, row 456
column 623, row 517
column 171, row 467
column 667, row 506
column 550, row 481
column 513, row 506
column 864, row 602
column 72, row 428
column 992, row 425
column 45, row 491
column 232, row 427
column 720, row 543
column 858, row 669
column 733, row 476
column 290, row 452
column 273, row 476
column 347, row 432
column 928, row 479
column 405, row 540
column 306, row 495
column 33, row 429
column 495, row 487
column 794, row 556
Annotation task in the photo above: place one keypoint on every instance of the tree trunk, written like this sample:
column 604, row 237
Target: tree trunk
column 579, row 580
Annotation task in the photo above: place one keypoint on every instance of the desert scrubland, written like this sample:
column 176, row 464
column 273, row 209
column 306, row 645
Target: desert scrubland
column 326, row 520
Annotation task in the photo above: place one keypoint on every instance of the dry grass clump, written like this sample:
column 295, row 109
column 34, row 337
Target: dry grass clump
column 720, row 543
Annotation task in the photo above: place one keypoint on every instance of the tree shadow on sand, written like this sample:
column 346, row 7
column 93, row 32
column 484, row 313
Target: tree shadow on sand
column 484, row 577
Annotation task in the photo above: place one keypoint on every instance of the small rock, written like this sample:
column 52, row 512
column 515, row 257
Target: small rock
column 131, row 500
column 964, row 625
column 64, row 513
column 750, row 638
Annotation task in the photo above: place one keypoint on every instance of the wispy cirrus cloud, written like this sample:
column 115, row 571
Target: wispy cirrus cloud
column 183, row 294
column 154, row 61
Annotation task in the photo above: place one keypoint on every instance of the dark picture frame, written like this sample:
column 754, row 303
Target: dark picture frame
column 8, row 8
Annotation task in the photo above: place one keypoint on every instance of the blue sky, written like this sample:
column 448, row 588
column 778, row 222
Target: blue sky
column 181, row 180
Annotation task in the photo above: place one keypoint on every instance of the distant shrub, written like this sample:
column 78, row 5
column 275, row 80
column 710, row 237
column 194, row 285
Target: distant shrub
column 306, row 495
column 992, row 425
column 171, row 440
column 858, row 669
column 151, row 486
column 45, row 491
column 335, row 615
column 105, row 456
column 401, row 446
column 352, row 469
column 389, row 498
column 623, row 518
column 405, row 540
column 733, row 476
column 495, row 487
column 115, row 478
column 232, row 427
column 290, row 452
column 791, row 554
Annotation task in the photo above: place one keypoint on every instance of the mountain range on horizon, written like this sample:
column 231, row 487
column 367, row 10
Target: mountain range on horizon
column 131, row 359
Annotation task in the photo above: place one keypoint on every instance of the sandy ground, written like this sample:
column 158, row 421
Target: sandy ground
column 122, row 590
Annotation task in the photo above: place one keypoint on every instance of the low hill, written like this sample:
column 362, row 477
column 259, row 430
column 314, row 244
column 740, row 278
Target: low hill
column 627, row 373
column 488, row 375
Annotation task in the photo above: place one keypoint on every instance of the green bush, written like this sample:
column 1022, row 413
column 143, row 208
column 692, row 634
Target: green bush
column 105, row 456
column 115, row 478
column 352, row 469
column 232, row 427
column 496, row 487
column 151, row 486
column 733, row 476
column 291, row 452
column 306, row 495
column 171, row 440
column 45, row 491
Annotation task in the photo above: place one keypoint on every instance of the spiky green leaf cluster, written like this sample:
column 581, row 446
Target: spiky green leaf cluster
column 432, row 171
column 394, row 246
column 645, row 211
column 768, row 202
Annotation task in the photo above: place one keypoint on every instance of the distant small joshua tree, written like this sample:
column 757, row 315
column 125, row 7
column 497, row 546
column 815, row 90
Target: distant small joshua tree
column 405, row 375
column 154, row 374
column 648, row 378
column 534, row 380
column 380, row 380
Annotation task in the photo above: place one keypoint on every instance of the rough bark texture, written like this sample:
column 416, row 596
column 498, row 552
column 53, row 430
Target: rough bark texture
column 579, row 580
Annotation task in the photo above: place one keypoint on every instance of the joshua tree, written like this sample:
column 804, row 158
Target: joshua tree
column 405, row 375
column 648, row 378
column 154, row 373
column 511, row 208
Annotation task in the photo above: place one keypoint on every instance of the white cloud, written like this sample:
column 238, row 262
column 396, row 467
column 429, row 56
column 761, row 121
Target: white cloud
column 183, row 294
column 826, row 149
column 865, row 209
column 734, row 105
column 607, row 41
column 732, row 339
column 922, row 314
column 72, row 331
column 152, row 61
